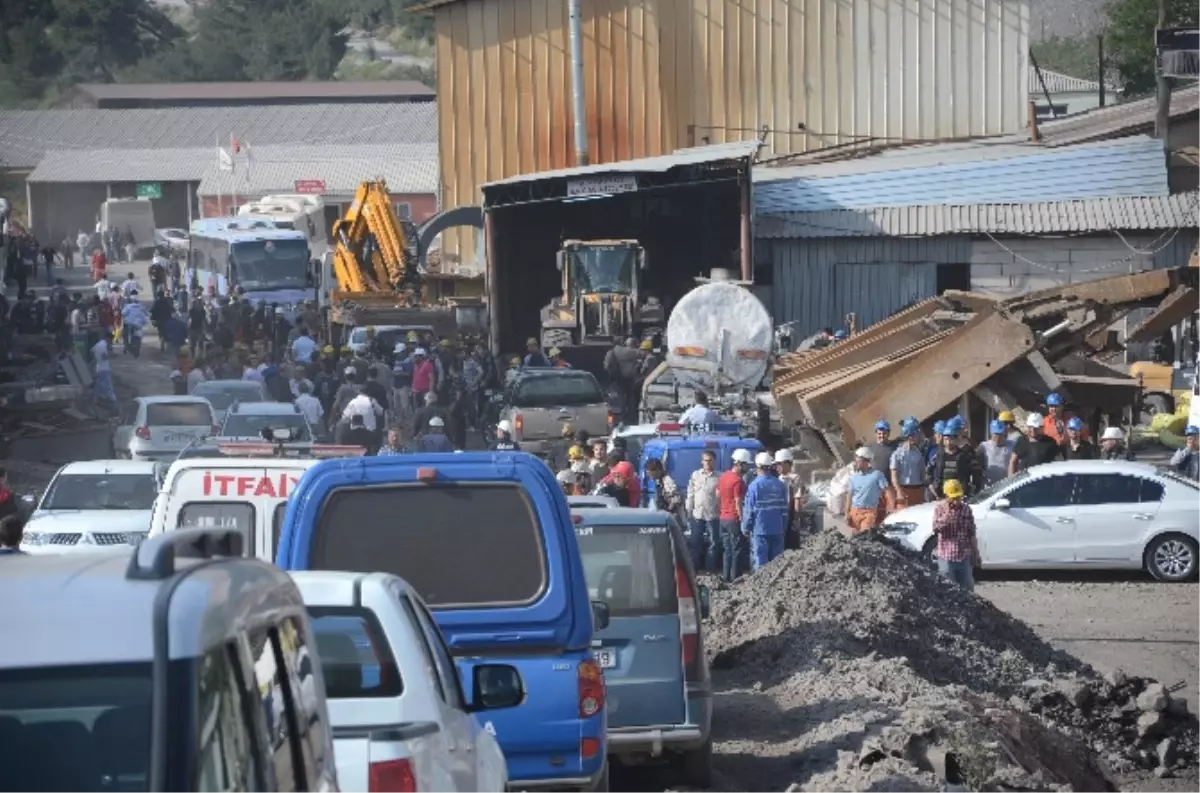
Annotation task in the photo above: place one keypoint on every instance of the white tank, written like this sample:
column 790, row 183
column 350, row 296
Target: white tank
column 719, row 326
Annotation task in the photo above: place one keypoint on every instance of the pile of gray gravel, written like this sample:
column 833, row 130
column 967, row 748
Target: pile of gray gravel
column 837, row 598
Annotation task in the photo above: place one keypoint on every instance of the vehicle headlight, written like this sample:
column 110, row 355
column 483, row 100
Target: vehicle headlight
column 33, row 538
column 899, row 527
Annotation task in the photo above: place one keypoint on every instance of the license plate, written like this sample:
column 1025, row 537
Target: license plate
column 180, row 437
column 606, row 658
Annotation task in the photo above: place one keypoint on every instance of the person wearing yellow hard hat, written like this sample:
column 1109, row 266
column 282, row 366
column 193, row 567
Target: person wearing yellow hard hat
column 1010, row 421
column 646, row 345
column 576, row 454
column 412, row 336
column 954, row 527
column 556, row 359
column 513, row 371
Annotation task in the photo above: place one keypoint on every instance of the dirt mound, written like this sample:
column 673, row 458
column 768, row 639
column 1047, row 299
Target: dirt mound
column 836, row 598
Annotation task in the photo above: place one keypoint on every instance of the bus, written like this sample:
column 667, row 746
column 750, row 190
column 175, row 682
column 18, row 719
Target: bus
column 268, row 263
column 304, row 213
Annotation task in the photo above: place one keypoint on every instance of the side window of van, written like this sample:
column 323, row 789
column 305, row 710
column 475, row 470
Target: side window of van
column 225, row 758
column 220, row 515
column 310, row 726
column 270, row 681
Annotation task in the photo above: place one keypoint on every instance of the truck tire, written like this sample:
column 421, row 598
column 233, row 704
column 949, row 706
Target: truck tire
column 695, row 767
column 556, row 337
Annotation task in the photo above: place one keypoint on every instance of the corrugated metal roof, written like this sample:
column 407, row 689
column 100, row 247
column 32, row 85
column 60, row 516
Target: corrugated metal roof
column 123, row 165
column 897, row 159
column 1059, row 83
column 26, row 135
column 1117, row 120
column 690, row 156
column 1057, row 217
column 407, row 168
column 1127, row 167
column 298, row 89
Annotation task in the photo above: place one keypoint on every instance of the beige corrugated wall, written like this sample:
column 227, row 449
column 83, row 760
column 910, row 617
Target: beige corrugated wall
column 656, row 69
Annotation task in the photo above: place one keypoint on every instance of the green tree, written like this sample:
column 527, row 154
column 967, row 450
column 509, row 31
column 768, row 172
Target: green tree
column 96, row 38
column 29, row 63
column 1130, row 38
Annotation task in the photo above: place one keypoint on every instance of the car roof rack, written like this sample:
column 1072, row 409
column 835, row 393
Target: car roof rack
column 154, row 558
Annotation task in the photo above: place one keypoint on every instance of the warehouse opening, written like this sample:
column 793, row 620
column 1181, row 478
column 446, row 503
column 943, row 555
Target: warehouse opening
column 619, row 226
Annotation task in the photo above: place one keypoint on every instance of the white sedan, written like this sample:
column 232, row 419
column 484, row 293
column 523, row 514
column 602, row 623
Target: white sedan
column 172, row 239
column 1081, row 514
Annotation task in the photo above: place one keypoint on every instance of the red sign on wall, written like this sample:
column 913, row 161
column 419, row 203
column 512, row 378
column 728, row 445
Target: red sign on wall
column 310, row 186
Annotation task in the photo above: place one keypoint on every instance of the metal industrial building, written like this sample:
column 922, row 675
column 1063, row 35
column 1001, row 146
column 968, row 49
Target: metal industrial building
column 661, row 75
column 874, row 234
column 71, row 160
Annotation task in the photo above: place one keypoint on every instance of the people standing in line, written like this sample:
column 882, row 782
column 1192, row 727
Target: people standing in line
column 1112, row 445
column 765, row 512
column 1187, row 460
column 703, row 509
column 995, row 453
column 1033, row 448
column 864, row 499
column 907, row 467
column 1075, row 445
column 731, row 492
column 954, row 526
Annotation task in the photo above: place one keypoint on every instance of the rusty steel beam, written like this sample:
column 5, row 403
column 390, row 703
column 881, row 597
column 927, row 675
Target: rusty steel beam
column 941, row 374
column 850, row 354
column 1178, row 306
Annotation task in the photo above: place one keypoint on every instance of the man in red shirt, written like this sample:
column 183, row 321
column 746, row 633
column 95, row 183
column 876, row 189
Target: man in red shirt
column 424, row 376
column 731, row 492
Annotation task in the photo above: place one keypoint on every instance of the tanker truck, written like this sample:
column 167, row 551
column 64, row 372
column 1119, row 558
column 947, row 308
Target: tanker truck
column 719, row 340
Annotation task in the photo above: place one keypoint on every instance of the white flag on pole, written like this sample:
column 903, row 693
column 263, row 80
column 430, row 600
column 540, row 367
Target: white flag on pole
column 224, row 159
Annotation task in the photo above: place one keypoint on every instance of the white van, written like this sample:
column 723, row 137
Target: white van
column 237, row 492
column 130, row 215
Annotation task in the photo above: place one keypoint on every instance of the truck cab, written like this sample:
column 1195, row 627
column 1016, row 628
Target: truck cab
column 679, row 448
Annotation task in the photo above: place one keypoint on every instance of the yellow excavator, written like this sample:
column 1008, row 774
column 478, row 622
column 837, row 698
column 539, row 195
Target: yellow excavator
column 375, row 268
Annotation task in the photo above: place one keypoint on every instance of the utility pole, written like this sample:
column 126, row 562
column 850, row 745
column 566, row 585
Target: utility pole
column 1162, row 83
column 1100, row 65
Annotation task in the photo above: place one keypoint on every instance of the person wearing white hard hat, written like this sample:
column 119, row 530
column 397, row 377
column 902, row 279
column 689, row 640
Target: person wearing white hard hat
column 731, row 491
column 1034, row 447
column 402, row 377
column 434, row 439
column 566, row 480
column 1112, row 445
column 424, row 376
column 765, row 512
column 864, row 505
column 783, row 467
column 504, row 441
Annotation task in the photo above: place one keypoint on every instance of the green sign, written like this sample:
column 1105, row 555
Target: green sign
column 149, row 190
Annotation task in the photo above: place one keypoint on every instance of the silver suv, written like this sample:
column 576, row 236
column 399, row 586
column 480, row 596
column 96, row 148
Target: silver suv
column 180, row 665
column 159, row 427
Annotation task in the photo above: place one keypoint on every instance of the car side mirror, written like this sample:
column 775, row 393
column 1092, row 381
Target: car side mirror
column 1001, row 503
column 600, row 615
column 705, row 599
column 496, row 686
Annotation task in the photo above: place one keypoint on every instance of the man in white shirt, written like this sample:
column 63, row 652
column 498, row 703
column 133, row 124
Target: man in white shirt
column 104, row 383
column 362, row 405
column 83, row 242
column 103, row 288
column 194, row 378
column 310, row 406
column 704, row 512
column 133, row 323
column 251, row 372
column 304, row 347
column 700, row 414
column 129, row 287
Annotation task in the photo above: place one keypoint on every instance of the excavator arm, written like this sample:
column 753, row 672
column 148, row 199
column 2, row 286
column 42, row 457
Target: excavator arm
column 371, row 249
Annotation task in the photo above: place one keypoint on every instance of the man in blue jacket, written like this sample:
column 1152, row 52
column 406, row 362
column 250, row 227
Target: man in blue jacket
column 765, row 512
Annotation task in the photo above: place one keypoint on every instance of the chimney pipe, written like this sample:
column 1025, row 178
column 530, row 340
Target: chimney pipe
column 578, row 105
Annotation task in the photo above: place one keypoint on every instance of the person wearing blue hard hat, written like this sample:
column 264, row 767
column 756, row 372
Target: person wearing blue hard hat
column 995, row 453
column 939, row 432
column 953, row 460
column 906, row 468
column 1187, row 460
column 1076, row 447
column 1055, row 425
column 840, row 335
column 881, row 450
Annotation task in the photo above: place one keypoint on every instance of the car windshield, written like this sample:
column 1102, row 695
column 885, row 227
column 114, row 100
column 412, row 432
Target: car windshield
column 101, row 491
column 463, row 529
column 603, row 268
column 555, row 390
column 179, row 414
column 243, row 425
column 222, row 395
column 78, row 727
column 996, row 487
column 631, row 568
column 271, row 264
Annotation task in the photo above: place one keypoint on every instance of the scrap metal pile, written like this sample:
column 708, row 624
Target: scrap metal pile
column 1008, row 353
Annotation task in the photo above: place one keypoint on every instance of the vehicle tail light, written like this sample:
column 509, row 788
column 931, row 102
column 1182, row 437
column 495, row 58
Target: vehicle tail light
column 518, row 425
column 669, row 427
column 426, row 474
column 143, row 433
column 689, row 623
column 591, row 689
column 392, row 776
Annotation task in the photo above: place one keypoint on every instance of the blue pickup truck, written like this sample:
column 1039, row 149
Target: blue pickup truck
column 488, row 541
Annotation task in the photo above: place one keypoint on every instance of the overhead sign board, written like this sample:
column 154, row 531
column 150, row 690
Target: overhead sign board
column 149, row 189
column 310, row 186
column 602, row 185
